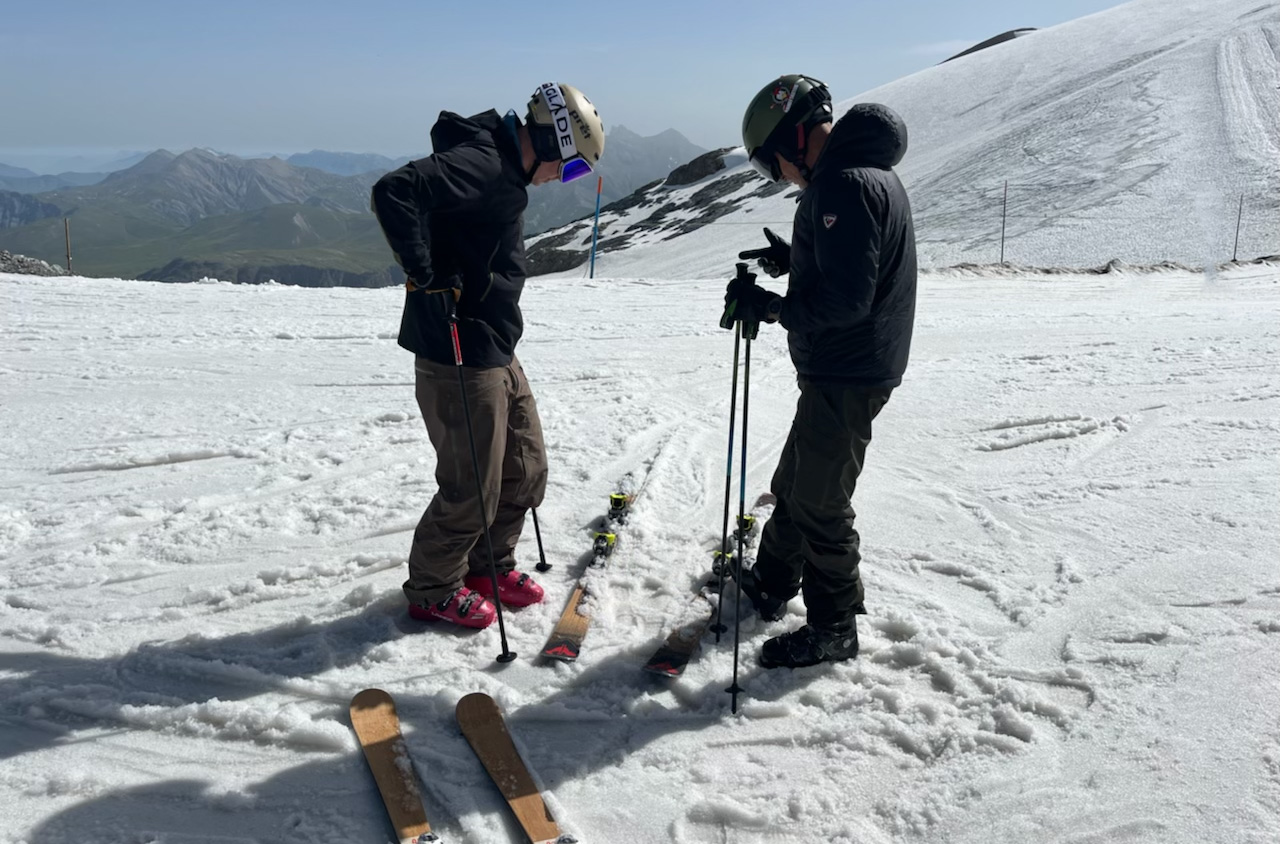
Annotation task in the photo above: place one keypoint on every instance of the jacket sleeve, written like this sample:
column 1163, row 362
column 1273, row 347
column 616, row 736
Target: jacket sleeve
column 403, row 199
column 846, row 236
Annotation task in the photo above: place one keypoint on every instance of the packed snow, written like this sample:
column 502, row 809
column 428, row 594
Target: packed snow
column 1068, row 513
column 1068, row 516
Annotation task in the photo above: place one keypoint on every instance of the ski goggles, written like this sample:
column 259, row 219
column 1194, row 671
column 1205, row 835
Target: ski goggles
column 766, row 163
column 573, row 169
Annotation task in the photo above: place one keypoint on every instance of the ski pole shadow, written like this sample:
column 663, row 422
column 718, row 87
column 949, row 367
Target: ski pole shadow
column 613, row 709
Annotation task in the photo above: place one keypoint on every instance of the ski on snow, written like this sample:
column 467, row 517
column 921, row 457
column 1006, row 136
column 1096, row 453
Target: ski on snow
column 486, row 731
column 565, row 641
column 377, row 727
column 672, row 657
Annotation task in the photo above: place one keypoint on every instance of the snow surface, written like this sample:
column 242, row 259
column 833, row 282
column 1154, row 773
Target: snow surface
column 1131, row 134
column 1068, row 516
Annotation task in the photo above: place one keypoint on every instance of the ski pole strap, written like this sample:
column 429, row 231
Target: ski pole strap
column 452, row 318
column 457, row 347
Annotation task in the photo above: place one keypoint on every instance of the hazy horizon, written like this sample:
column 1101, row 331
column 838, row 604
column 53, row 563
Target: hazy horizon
column 141, row 75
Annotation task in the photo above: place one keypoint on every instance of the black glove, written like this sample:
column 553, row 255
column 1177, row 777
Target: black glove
column 745, row 301
column 775, row 259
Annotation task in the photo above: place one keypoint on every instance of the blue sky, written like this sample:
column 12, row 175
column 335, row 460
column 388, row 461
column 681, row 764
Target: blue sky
column 285, row 76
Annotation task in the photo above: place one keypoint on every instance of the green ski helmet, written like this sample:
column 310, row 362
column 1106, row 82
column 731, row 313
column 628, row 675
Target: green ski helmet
column 778, row 121
column 564, row 126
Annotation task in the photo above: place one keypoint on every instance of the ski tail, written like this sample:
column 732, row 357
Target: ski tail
column 486, row 731
column 671, row 657
column 377, row 727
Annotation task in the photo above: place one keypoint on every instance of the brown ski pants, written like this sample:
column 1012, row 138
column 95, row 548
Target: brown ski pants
column 449, row 541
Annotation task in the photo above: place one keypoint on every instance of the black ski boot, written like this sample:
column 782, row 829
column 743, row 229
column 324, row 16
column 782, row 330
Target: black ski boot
column 771, row 607
column 810, row 645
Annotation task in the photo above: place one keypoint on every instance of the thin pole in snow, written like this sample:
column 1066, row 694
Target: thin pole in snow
column 1004, row 218
column 543, row 565
column 595, row 229
column 66, row 229
column 507, row 654
column 1239, row 216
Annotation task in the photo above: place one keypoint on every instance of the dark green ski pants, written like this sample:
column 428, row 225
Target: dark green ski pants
column 810, row 543
column 449, row 541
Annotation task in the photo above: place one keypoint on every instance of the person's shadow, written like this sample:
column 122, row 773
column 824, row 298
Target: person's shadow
column 606, row 711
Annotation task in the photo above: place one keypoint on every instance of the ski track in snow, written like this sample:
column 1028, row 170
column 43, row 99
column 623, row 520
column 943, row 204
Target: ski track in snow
column 1067, row 517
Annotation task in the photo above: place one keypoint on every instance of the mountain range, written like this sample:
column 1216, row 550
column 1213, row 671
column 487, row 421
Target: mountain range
column 305, row 220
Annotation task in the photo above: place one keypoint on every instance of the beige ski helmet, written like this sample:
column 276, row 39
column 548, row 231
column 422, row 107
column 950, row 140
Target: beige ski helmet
column 564, row 126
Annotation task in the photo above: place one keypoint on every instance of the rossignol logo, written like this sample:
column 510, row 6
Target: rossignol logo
column 560, row 120
column 828, row 220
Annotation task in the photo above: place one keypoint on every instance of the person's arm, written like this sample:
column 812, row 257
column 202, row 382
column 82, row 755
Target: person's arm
column 846, row 234
column 403, row 198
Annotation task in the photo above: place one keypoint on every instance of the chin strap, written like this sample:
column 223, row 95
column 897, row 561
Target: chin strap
column 802, row 137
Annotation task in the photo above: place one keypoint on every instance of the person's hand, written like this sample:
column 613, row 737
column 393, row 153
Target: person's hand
column 775, row 259
column 451, row 284
column 745, row 301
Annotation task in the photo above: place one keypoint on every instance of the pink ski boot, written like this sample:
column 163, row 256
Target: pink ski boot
column 514, row 588
column 464, row 607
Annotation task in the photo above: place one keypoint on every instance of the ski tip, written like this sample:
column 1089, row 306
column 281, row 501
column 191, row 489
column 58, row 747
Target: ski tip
column 475, row 697
column 370, row 698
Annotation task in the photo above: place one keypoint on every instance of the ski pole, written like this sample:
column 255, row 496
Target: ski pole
column 543, row 565
column 747, row 329
column 729, row 320
column 507, row 655
column 723, row 562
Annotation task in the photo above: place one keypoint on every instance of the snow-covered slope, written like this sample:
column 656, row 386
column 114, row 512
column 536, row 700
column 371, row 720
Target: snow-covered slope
column 1129, row 134
column 1068, row 516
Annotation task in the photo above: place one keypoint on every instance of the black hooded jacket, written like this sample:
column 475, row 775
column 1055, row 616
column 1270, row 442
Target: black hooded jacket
column 459, row 214
column 850, row 302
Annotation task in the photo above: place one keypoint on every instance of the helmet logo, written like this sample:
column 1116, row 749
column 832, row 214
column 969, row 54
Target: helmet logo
column 554, row 98
column 785, row 97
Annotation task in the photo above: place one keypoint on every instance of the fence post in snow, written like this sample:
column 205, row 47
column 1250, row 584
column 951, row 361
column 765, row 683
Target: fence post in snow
column 1004, row 218
column 66, row 230
column 595, row 228
column 1239, row 216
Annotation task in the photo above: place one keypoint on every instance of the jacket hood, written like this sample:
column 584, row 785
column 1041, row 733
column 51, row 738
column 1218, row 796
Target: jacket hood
column 453, row 130
column 868, row 135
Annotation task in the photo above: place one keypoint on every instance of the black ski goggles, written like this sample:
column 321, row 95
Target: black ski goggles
column 766, row 163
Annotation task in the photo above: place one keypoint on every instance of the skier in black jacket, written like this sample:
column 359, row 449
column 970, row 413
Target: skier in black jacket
column 848, row 311
column 455, row 222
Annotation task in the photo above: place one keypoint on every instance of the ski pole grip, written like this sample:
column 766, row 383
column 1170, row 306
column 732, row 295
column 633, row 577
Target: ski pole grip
column 747, row 279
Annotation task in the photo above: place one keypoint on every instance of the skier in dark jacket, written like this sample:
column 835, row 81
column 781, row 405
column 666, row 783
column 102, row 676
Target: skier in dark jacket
column 455, row 222
column 848, row 311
